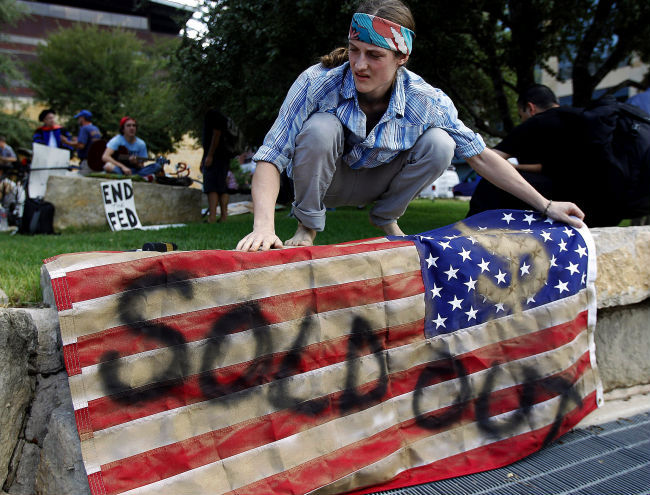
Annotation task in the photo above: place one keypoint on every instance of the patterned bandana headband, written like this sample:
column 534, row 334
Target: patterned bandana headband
column 381, row 32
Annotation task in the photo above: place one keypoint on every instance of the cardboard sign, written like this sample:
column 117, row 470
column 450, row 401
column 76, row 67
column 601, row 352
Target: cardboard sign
column 120, row 205
column 46, row 161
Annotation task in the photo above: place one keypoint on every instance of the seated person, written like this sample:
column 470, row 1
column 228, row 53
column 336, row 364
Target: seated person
column 88, row 132
column 125, row 154
column 8, row 191
column 51, row 133
column 547, row 146
column 8, row 188
column 7, row 154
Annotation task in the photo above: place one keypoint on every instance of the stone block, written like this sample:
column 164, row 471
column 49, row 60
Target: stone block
column 623, row 265
column 24, row 480
column 49, row 358
column 61, row 469
column 17, row 348
column 51, row 392
column 622, row 345
column 78, row 202
column 46, row 288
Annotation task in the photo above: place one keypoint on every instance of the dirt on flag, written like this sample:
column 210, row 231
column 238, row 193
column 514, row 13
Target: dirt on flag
column 329, row 369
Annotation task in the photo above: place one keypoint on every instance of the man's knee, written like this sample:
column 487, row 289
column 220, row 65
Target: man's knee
column 111, row 168
column 320, row 132
column 435, row 146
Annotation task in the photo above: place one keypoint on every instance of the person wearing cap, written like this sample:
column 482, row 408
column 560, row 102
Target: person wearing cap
column 360, row 128
column 51, row 133
column 88, row 132
column 126, row 153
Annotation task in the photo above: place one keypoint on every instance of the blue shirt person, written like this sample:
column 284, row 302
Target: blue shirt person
column 88, row 132
column 7, row 153
column 359, row 128
column 126, row 153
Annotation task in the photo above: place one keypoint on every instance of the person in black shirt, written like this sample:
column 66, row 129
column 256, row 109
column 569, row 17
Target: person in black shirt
column 215, row 164
column 552, row 150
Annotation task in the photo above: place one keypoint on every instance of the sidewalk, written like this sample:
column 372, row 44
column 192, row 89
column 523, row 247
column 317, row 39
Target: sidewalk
column 607, row 453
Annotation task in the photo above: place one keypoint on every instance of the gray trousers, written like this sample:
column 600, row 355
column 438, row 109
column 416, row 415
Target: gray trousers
column 322, row 180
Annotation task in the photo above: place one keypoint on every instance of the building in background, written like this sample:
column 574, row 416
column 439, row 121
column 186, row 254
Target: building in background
column 634, row 70
column 148, row 19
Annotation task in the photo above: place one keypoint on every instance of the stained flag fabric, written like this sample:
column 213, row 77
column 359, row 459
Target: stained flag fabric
column 350, row 368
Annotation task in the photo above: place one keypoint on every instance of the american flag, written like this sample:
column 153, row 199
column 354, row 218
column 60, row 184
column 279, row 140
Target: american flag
column 350, row 368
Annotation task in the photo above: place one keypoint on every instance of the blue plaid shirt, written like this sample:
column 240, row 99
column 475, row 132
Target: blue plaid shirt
column 414, row 107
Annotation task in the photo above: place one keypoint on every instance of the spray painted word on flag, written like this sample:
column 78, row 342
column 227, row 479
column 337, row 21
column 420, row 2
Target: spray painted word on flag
column 329, row 369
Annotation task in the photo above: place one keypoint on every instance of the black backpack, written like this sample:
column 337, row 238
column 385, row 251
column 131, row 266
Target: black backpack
column 618, row 136
column 38, row 217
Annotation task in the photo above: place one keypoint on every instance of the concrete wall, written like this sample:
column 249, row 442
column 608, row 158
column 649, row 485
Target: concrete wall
column 78, row 202
column 623, row 294
column 39, row 446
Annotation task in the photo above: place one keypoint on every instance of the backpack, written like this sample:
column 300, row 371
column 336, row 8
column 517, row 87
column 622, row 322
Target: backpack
column 38, row 217
column 618, row 135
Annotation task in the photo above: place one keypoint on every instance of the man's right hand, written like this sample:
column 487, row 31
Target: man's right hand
column 266, row 184
column 259, row 240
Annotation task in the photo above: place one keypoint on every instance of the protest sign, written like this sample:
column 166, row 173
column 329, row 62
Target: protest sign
column 46, row 161
column 120, row 205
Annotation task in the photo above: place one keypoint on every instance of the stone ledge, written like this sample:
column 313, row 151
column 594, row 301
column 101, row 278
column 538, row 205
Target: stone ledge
column 78, row 202
column 623, row 265
column 623, row 278
column 622, row 340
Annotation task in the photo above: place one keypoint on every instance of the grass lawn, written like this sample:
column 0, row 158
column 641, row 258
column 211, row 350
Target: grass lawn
column 21, row 256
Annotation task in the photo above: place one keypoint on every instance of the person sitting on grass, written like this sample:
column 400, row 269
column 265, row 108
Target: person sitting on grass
column 360, row 128
column 126, row 153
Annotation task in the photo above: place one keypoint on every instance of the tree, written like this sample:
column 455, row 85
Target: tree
column 10, row 12
column 482, row 53
column 15, row 127
column 251, row 53
column 606, row 34
column 112, row 73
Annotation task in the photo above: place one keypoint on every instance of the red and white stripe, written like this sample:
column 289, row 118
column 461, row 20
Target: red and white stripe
column 242, row 443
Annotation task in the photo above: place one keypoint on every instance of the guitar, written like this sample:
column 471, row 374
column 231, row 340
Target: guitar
column 125, row 157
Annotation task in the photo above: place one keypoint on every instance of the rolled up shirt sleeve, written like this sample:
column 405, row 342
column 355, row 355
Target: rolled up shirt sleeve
column 468, row 142
column 279, row 143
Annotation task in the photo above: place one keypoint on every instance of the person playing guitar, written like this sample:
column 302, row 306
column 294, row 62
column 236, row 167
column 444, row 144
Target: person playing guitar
column 125, row 154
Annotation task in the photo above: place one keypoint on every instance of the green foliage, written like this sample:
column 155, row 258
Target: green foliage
column 13, row 125
column 17, row 129
column 242, row 177
column 251, row 54
column 112, row 73
column 603, row 35
column 482, row 53
column 10, row 12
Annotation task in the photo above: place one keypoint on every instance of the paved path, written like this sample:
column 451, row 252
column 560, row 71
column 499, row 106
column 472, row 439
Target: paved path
column 607, row 454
